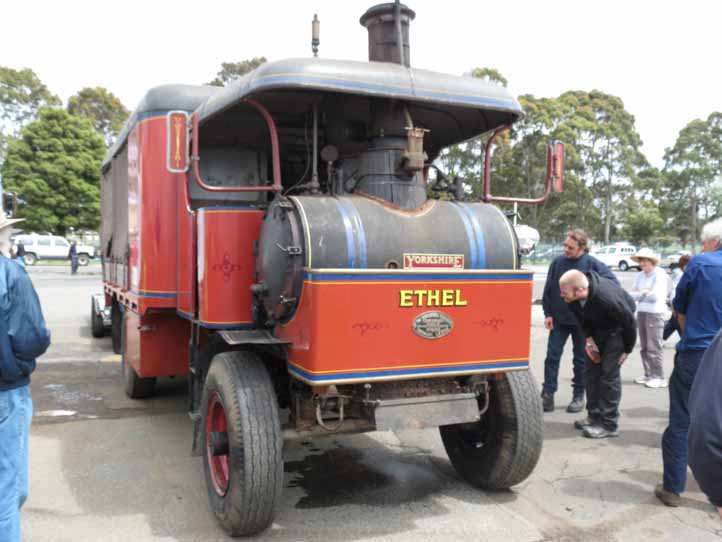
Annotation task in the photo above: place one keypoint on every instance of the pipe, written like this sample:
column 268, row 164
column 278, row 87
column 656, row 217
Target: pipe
column 313, row 185
column 487, row 175
column 275, row 158
column 399, row 35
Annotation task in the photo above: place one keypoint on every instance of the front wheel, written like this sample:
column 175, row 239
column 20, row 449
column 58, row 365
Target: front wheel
column 29, row 258
column 502, row 449
column 242, row 458
column 623, row 266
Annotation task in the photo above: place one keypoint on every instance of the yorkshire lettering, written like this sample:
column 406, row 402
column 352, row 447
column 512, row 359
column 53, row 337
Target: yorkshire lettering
column 433, row 261
column 431, row 298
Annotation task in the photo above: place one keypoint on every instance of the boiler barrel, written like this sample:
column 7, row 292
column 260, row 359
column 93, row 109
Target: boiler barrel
column 355, row 232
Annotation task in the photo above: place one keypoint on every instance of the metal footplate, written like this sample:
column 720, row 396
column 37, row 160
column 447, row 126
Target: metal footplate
column 423, row 412
column 249, row 336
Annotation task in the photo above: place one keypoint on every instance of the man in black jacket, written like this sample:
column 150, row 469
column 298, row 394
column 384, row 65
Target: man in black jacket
column 560, row 322
column 605, row 313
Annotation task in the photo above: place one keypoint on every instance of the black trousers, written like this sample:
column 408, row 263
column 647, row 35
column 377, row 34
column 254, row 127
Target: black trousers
column 604, row 383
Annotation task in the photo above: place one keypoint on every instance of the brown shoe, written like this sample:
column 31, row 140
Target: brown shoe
column 667, row 497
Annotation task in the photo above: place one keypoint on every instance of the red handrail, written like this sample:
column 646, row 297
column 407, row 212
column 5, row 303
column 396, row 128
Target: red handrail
column 276, row 160
column 487, row 197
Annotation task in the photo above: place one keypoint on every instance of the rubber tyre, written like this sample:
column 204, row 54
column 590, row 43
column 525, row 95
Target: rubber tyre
column 623, row 266
column 240, row 382
column 83, row 259
column 30, row 258
column 135, row 387
column 116, row 324
column 511, row 434
column 96, row 322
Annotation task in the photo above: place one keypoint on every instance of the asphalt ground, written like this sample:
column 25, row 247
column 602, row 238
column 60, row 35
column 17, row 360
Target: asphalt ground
column 104, row 467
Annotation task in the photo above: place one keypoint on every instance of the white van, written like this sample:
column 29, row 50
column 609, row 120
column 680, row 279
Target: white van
column 617, row 256
column 51, row 247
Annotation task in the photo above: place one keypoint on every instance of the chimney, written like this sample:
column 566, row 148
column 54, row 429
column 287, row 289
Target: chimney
column 384, row 42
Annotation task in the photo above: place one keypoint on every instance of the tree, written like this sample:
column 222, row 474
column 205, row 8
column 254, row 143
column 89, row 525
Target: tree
column 105, row 111
column 21, row 95
column 489, row 74
column 693, row 172
column 643, row 222
column 608, row 149
column 234, row 70
column 53, row 168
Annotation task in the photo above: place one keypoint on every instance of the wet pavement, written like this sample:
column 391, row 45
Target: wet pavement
column 105, row 467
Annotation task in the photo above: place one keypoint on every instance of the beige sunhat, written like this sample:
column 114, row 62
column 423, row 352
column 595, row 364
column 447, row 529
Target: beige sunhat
column 647, row 254
column 5, row 221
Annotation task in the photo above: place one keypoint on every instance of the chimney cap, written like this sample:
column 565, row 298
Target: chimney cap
column 386, row 11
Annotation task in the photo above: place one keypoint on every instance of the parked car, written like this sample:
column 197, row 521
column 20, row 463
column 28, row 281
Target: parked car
column 617, row 256
column 51, row 247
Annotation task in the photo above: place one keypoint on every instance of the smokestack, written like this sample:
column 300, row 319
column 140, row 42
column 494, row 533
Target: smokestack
column 384, row 43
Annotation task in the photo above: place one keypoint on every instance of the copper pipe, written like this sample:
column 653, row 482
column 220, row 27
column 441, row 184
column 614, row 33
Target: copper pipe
column 487, row 175
column 276, row 160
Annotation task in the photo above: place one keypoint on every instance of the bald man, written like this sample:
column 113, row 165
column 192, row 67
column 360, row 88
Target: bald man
column 605, row 313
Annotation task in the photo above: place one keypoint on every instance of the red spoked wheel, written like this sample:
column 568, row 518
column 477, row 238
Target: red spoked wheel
column 217, row 445
column 243, row 461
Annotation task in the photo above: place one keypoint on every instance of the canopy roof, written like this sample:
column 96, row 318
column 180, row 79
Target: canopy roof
column 454, row 108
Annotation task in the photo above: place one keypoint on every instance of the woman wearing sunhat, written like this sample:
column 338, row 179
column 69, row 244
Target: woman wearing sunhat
column 650, row 293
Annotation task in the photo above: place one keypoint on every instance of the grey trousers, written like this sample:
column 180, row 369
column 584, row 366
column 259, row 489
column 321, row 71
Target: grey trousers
column 651, row 326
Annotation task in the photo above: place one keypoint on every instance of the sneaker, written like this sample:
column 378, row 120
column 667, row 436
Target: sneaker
column 585, row 422
column 667, row 497
column 547, row 401
column 641, row 380
column 656, row 383
column 576, row 405
column 597, row 431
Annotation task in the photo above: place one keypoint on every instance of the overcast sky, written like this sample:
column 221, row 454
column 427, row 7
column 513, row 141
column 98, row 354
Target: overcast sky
column 663, row 58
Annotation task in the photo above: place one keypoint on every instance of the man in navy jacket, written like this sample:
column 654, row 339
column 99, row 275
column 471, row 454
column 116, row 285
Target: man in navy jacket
column 560, row 322
column 23, row 337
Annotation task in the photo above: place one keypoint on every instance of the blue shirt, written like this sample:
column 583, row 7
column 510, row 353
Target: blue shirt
column 699, row 298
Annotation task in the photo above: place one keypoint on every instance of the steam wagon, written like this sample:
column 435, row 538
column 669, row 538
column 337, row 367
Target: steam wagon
column 275, row 241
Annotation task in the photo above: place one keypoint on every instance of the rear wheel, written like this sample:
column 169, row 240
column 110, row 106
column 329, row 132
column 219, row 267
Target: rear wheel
column 83, row 259
column 502, row 449
column 623, row 266
column 242, row 458
column 29, row 258
column 96, row 322
column 116, row 322
column 135, row 386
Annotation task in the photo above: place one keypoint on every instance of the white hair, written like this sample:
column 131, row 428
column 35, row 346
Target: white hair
column 712, row 231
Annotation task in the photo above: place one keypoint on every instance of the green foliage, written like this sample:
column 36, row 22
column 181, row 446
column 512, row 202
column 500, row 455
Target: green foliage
column 54, row 169
column 21, row 95
column 643, row 223
column 234, row 70
column 693, row 177
column 105, row 111
column 489, row 74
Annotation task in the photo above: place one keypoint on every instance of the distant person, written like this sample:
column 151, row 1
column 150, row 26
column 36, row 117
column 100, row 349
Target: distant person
column 698, row 304
column 23, row 337
column 650, row 292
column 671, row 325
column 19, row 252
column 561, row 323
column 73, row 257
column 705, row 424
column 605, row 313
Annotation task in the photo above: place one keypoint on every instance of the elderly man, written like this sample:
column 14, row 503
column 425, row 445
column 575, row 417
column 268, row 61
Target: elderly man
column 698, row 305
column 605, row 313
column 561, row 323
column 23, row 337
